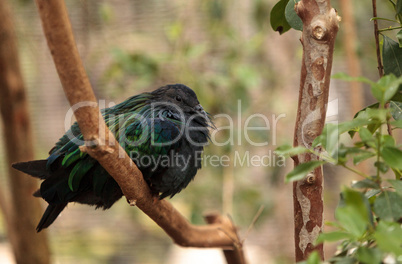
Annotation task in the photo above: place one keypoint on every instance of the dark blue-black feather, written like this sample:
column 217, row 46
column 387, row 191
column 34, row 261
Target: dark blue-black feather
column 158, row 126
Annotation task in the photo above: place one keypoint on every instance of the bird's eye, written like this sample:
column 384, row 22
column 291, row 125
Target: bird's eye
column 178, row 98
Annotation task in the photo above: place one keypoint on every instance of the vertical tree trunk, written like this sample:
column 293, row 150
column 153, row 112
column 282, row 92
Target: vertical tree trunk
column 24, row 211
column 320, row 25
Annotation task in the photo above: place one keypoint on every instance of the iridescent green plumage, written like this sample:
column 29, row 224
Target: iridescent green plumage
column 150, row 127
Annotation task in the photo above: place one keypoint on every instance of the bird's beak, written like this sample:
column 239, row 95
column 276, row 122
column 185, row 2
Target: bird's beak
column 199, row 108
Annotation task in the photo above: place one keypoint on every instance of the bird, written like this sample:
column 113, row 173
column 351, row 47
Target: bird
column 163, row 131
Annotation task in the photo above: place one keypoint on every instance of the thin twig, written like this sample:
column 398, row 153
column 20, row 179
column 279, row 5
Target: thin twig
column 379, row 62
column 377, row 41
column 257, row 215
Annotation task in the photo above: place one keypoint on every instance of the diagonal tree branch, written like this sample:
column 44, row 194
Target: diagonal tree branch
column 102, row 145
column 320, row 26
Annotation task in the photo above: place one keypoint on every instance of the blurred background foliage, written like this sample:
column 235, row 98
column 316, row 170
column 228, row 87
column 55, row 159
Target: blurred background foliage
column 227, row 52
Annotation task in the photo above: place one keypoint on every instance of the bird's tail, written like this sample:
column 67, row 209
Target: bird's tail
column 35, row 168
column 51, row 213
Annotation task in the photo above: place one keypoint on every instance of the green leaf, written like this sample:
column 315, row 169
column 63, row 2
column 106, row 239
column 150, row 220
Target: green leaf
column 375, row 114
column 373, row 106
column 392, row 156
column 397, row 123
column 398, row 96
column 378, row 93
column 391, row 85
column 328, row 138
column 388, row 140
column 362, row 157
column 291, row 16
column 365, row 135
column 388, row 236
column 396, row 110
column 381, row 166
column 397, row 184
column 371, row 193
column 392, row 57
column 399, row 37
column 368, row 255
column 278, row 19
column 289, row 151
column 333, row 236
column 366, row 183
column 314, row 258
column 386, row 87
column 353, row 212
column 398, row 173
column 302, row 170
column 388, row 206
column 345, row 77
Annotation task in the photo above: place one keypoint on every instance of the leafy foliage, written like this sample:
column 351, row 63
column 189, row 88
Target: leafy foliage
column 369, row 215
column 370, row 212
column 284, row 17
column 278, row 20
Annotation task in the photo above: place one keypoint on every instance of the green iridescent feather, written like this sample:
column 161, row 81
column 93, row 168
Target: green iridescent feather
column 132, row 123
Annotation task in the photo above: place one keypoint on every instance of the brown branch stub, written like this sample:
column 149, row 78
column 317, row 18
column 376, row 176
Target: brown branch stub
column 320, row 26
column 101, row 144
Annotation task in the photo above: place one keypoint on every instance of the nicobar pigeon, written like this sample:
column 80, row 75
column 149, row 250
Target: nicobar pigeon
column 163, row 131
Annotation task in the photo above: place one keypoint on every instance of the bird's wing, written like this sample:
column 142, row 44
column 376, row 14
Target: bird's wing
column 151, row 136
column 146, row 136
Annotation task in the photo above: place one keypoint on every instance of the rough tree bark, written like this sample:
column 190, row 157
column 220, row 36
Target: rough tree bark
column 101, row 145
column 320, row 25
column 20, row 209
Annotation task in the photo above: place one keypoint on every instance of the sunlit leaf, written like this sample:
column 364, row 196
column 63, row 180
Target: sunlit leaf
column 345, row 77
column 333, row 236
column 288, row 151
column 314, row 258
column 328, row 138
column 388, row 236
column 365, row 134
column 373, row 106
column 388, row 140
column 352, row 213
column 302, row 170
column 391, row 85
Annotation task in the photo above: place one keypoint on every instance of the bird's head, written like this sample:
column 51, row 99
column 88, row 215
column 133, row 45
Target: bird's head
column 179, row 99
